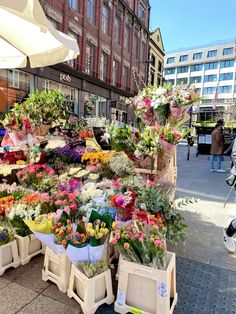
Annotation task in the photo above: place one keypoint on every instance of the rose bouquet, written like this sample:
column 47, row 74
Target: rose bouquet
column 142, row 242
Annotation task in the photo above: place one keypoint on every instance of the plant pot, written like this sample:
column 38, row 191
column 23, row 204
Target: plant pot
column 28, row 247
column 143, row 289
column 8, row 256
column 90, row 293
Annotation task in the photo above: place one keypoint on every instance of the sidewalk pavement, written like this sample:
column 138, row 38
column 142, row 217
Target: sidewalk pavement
column 206, row 272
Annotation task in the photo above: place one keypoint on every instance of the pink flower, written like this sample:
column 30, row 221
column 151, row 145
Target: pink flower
column 39, row 175
column 140, row 240
column 31, row 170
column 113, row 241
column 67, row 209
column 147, row 102
column 117, row 236
column 116, row 184
column 120, row 200
column 157, row 243
column 73, row 206
column 58, row 202
column 126, row 246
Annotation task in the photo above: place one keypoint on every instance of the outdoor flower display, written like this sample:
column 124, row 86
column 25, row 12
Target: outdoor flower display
column 90, row 270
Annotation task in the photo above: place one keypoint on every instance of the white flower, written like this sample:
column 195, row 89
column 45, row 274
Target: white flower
column 159, row 91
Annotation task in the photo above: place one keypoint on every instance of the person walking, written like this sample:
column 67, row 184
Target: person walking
column 217, row 146
column 230, row 231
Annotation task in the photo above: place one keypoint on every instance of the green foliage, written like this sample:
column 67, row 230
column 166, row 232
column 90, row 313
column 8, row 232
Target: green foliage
column 20, row 227
column 121, row 138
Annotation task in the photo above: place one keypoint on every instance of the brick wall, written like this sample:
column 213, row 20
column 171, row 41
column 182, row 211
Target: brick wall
column 76, row 21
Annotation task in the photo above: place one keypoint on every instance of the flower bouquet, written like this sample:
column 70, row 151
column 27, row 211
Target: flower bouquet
column 97, row 231
column 6, row 235
column 91, row 270
column 124, row 204
column 142, row 242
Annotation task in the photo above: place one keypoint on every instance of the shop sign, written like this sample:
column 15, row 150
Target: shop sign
column 65, row 77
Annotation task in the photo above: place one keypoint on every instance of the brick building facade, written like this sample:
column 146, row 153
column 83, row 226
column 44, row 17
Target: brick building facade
column 113, row 39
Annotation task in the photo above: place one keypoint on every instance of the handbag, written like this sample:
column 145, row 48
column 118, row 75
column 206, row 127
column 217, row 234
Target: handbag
column 230, row 180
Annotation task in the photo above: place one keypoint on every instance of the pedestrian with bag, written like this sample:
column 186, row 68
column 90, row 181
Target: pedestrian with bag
column 217, row 146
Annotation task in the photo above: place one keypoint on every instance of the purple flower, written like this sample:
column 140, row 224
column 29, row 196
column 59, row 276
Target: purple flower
column 3, row 236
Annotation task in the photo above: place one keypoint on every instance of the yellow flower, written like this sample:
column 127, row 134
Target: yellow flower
column 20, row 162
column 114, row 224
column 92, row 233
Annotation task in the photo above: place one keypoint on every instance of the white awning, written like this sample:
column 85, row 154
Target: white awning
column 25, row 32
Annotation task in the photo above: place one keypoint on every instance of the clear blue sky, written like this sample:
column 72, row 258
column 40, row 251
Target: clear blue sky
column 189, row 23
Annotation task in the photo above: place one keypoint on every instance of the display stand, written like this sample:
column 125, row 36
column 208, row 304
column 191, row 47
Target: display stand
column 146, row 290
column 9, row 256
column 90, row 293
column 56, row 269
column 28, row 247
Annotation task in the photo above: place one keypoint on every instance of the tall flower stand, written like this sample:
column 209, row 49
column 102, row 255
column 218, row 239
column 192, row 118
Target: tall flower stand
column 28, row 247
column 90, row 293
column 146, row 290
column 56, row 269
column 9, row 256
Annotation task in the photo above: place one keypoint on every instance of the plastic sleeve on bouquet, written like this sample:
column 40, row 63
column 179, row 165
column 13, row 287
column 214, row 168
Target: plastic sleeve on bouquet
column 77, row 254
column 46, row 239
column 97, row 253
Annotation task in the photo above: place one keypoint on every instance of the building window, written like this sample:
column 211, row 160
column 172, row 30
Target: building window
column 89, row 62
column 170, row 60
column 172, row 82
column 212, row 54
column 158, row 81
column 159, row 66
column 225, row 89
column 197, row 56
column 211, row 66
column 143, row 52
column 72, row 63
column 227, row 64
column 209, row 90
column 182, row 69
column 228, row 51
column 195, row 79
column 14, row 78
column 196, row 67
column 115, row 76
column 170, row 71
column 127, row 37
column 104, row 66
column 136, row 43
column 210, row 78
column 152, row 78
column 183, row 58
column 141, row 13
column 226, row 76
column 91, row 9
column 73, row 4
column 181, row 81
column 117, row 29
column 125, row 77
column 105, row 18
column 153, row 60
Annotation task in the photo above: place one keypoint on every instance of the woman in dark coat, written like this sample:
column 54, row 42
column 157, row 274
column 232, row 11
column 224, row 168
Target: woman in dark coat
column 217, row 147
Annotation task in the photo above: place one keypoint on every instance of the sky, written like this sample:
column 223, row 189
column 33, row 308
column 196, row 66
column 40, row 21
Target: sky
column 191, row 23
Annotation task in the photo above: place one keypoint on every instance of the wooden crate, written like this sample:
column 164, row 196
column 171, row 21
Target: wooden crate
column 90, row 293
column 146, row 290
column 56, row 269
column 9, row 256
column 28, row 247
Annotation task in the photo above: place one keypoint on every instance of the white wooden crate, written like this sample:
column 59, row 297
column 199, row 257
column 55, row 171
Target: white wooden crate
column 28, row 247
column 90, row 293
column 146, row 290
column 57, row 269
column 9, row 256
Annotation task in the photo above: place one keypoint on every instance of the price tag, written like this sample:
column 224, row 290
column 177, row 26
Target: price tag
column 133, row 310
column 120, row 299
column 162, row 290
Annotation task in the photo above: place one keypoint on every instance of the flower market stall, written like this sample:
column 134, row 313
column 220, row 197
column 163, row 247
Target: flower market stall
column 87, row 191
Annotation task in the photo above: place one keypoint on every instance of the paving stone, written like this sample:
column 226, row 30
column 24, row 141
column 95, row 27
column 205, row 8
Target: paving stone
column 54, row 293
column 45, row 305
column 13, row 297
column 4, row 282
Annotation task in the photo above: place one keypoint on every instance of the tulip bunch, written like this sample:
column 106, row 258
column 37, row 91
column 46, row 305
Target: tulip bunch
column 97, row 232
